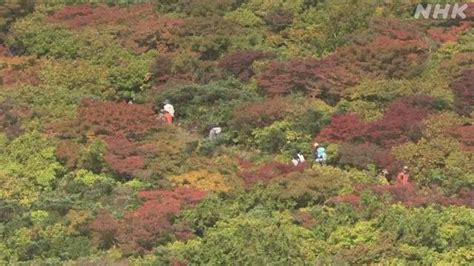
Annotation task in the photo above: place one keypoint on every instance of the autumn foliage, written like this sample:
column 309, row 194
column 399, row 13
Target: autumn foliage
column 110, row 118
column 324, row 78
column 140, row 229
column 89, row 174
column 77, row 16
column 259, row 113
column 388, row 49
column 240, row 63
column 266, row 172
column 343, row 127
column 362, row 155
column 451, row 34
column 401, row 122
column 465, row 135
column 464, row 92
column 123, row 156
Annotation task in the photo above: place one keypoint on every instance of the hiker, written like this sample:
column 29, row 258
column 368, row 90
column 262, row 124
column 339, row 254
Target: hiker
column 167, row 117
column 298, row 158
column 167, row 113
column 383, row 177
column 319, row 154
column 214, row 132
column 167, row 107
column 403, row 177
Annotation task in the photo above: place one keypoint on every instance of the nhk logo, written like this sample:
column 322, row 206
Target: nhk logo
column 438, row 11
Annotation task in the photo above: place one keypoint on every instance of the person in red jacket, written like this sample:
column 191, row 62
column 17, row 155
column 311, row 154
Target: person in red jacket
column 168, row 118
column 403, row 178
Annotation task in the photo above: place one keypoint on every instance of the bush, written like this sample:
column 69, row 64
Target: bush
column 323, row 78
column 279, row 137
column 279, row 19
column 260, row 113
column 202, row 180
column 360, row 155
column 28, row 166
column 343, row 127
column 249, row 239
column 123, row 157
column 32, row 36
column 314, row 185
column 267, row 172
column 131, row 77
column 110, row 118
column 239, row 63
column 464, row 95
column 401, row 122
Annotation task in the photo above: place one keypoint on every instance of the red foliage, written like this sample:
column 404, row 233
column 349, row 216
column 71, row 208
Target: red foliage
column 266, row 172
column 388, row 49
column 76, row 16
column 465, row 134
column 260, row 113
column 401, row 122
column 67, row 153
column 451, row 34
column 352, row 199
column 142, row 228
column 361, row 155
column 121, row 126
column 16, row 70
column 152, row 33
column 305, row 219
column 240, row 63
column 11, row 77
column 318, row 78
column 185, row 195
column 244, row 164
column 343, row 127
column 464, row 92
column 104, row 230
column 124, row 157
column 111, row 118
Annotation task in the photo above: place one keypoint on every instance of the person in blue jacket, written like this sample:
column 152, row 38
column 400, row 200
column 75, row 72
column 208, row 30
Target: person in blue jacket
column 319, row 154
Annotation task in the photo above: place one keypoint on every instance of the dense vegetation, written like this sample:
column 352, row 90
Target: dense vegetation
column 89, row 175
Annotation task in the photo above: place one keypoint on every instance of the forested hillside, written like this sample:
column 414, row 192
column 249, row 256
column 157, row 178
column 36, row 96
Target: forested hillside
column 91, row 174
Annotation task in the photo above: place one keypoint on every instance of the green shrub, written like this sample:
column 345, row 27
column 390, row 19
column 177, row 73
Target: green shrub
column 32, row 36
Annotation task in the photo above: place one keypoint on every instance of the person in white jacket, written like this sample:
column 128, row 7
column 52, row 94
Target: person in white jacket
column 214, row 132
column 298, row 158
column 168, row 107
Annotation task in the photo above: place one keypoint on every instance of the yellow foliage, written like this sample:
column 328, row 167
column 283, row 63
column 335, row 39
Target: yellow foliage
column 202, row 179
column 439, row 124
column 17, row 189
column 16, row 61
column 77, row 219
column 368, row 111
